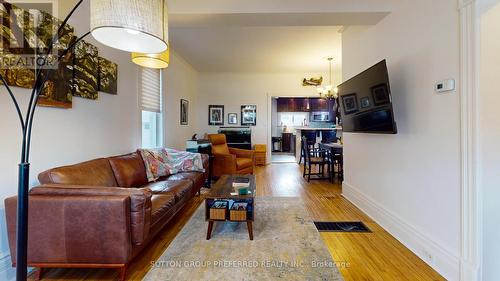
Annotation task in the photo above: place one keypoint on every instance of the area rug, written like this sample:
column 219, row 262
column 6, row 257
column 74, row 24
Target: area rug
column 286, row 246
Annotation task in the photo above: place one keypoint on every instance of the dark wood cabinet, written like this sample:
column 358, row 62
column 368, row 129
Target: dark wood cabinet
column 288, row 144
column 318, row 105
column 282, row 105
column 293, row 105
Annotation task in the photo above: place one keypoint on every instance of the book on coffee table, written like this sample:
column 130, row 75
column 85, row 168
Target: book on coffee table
column 241, row 182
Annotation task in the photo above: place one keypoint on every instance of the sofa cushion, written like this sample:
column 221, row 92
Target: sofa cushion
column 197, row 178
column 162, row 204
column 242, row 163
column 96, row 172
column 129, row 170
column 178, row 188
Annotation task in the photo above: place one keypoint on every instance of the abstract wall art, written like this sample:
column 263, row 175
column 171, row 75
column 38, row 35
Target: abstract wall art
column 85, row 71
column 108, row 76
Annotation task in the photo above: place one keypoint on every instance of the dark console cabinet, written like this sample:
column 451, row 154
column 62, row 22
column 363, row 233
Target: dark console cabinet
column 238, row 137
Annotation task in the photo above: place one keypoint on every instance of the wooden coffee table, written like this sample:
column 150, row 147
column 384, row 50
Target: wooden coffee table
column 221, row 191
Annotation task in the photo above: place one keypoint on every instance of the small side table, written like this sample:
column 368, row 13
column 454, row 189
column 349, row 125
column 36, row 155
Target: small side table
column 260, row 154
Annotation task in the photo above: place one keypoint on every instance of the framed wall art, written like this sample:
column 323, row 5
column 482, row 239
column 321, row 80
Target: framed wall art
column 85, row 71
column 215, row 115
column 232, row 119
column 248, row 115
column 108, row 76
column 380, row 94
column 365, row 102
column 350, row 103
column 184, row 112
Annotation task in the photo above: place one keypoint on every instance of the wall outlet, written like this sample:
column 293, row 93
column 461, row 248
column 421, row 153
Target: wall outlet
column 445, row 86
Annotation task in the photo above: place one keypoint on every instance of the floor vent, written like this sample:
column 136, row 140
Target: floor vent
column 329, row 197
column 341, row 226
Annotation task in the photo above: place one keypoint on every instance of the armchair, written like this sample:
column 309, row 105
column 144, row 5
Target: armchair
column 230, row 161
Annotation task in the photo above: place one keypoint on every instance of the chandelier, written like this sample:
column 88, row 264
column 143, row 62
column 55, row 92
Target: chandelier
column 328, row 91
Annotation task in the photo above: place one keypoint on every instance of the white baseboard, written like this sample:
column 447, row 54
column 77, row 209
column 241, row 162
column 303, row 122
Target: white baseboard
column 439, row 258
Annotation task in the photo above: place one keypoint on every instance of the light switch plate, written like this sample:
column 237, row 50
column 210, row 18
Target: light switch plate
column 445, row 86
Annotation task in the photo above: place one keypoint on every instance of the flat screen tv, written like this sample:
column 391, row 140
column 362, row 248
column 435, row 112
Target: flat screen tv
column 366, row 104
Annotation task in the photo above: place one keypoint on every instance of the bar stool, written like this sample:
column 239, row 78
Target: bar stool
column 312, row 158
column 310, row 139
column 329, row 136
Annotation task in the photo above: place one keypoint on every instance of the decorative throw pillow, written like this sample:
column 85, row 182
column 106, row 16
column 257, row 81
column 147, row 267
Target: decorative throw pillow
column 156, row 163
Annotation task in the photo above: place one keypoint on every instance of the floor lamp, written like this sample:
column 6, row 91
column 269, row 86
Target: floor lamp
column 129, row 25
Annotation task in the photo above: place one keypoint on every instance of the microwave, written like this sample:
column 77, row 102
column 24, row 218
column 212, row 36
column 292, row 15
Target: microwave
column 323, row 116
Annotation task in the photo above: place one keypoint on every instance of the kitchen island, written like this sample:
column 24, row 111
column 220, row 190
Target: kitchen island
column 298, row 137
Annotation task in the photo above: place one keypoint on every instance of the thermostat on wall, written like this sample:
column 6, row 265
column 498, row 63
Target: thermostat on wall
column 445, row 86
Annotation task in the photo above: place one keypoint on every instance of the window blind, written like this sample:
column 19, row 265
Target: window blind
column 151, row 90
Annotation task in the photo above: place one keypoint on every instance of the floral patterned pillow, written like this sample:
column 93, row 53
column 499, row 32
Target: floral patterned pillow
column 156, row 163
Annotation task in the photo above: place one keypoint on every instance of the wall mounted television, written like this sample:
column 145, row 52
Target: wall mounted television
column 366, row 103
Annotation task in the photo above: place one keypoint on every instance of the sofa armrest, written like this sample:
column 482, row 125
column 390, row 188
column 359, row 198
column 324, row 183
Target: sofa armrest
column 224, row 164
column 74, row 229
column 140, row 203
column 242, row 153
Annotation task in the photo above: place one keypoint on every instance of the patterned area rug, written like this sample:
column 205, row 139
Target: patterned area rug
column 286, row 246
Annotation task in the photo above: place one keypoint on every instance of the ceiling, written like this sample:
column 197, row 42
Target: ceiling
column 266, row 35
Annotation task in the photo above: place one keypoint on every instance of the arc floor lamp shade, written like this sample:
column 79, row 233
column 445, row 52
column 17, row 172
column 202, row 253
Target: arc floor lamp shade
column 157, row 61
column 130, row 25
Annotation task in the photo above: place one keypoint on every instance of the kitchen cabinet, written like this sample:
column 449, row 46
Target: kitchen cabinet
column 283, row 105
column 293, row 105
column 288, row 144
column 319, row 105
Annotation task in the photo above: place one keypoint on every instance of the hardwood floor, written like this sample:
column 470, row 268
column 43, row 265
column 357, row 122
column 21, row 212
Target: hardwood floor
column 359, row 256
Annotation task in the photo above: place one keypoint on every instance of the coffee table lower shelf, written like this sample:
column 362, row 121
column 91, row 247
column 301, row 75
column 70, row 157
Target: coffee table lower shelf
column 226, row 215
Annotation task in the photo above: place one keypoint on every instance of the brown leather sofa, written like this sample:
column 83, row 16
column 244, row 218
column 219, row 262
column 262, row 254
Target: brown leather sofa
column 230, row 161
column 100, row 213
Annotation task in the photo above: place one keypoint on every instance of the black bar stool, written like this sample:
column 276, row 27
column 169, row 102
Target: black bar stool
column 310, row 140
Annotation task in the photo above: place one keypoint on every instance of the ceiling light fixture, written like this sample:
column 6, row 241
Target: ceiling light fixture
column 328, row 91
column 131, row 25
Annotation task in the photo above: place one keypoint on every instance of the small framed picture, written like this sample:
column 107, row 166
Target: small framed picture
column 232, row 118
column 215, row 115
column 350, row 103
column 365, row 102
column 248, row 115
column 184, row 112
column 380, row 94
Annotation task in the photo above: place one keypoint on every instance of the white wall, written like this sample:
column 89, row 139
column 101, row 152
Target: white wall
column 180, row 81
column 410, row 182
column 235, row 89
column 488, row 176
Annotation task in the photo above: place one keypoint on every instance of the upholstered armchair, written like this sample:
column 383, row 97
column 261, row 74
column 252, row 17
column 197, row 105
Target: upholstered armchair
column 230, row 161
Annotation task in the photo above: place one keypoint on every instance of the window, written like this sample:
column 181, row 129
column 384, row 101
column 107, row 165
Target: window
column 151, row 100
column 293, row 119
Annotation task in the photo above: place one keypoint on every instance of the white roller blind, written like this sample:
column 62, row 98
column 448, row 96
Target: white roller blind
column 151, row 90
